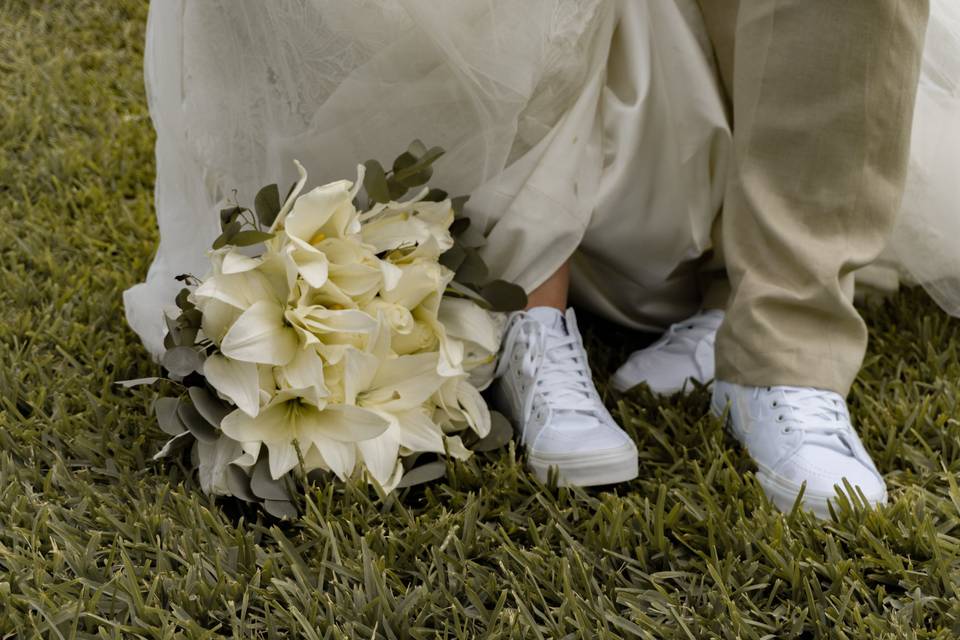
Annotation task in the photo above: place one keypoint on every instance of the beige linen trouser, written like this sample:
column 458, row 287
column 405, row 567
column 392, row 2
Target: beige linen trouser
column 821, row 97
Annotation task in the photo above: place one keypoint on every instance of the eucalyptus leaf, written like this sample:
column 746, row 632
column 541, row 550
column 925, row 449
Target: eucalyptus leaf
column 173, row 330
column 238, row 483
column 137, row 382
column 188, row 336
column 249, row 238
column 196, row 423
column 191, row 318
column 282, row 509
column 411, row 180
column 181, row 361
column 267, row 204
column 417, row 148
column 264, row 486
column 229, row 215
column 435, row 195
column 458, row 204
column 209, row 406
column 423, row 473
column 404, row 161
column 504, row 296
column 396, row 189
column 453, row 257
column 167, row 419
column 375, row 182
column 183, row 300
column 422, row 164
column 459, row 226
column 501, row 432
column 229, row 231
column 174, row 445
column 473, row 270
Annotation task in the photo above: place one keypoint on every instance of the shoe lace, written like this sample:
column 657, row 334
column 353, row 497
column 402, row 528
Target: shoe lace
column 559, row 360
column 813, row 411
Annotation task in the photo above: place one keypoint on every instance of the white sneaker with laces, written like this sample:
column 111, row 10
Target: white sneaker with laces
column 544, row 386
column 684, row 353
column 799, row 435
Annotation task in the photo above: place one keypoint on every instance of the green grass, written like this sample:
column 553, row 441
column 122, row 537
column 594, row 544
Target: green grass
column 97, row 541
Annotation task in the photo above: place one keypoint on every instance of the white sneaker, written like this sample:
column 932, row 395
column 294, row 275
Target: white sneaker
column 545, row 388
column 799, row 435
column 684, row 353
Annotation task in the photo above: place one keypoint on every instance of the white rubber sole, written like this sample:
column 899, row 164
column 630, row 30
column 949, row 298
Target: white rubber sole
column 782, row 492
column 610, row 466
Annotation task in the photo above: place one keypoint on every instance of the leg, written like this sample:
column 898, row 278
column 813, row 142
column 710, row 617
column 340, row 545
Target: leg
column 552, row 293
column 822, row 107
column 545, row 387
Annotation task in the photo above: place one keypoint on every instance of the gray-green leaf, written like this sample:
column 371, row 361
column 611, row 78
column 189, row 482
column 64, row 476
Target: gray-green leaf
column 423, row 473
column 181, row 361
column 267, row 204
column 282, row 509
column 166, row 412
column 238, row 483
column 249, row 238
column 229, row 231
column 264, row 486
column 196, row 423
column 138, row 382
column 473, row 270
column 501, row 431
column 209, row 406
column 375, row 182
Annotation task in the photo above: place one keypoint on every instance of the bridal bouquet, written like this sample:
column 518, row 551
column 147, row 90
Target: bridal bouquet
column 341, row 331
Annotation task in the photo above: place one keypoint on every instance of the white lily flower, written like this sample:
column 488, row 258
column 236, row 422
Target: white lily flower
column 217, row 318
column 480, row 332
column 338, row 457
column 238, row 382
column 261, row 334
column 304, row 371
column 337, row 342
column 288, row 419
column 418, row 281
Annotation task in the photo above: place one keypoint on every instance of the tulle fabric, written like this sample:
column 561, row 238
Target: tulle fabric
column 590, row 124
column 926, row 242
column 572, row 123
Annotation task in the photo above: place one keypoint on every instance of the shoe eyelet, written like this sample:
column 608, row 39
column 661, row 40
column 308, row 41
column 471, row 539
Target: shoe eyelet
column 780, row 418
column 775, row 404
column 786, row 430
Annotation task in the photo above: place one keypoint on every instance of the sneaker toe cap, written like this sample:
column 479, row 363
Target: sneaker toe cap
column 581, row 435
column 825, row 469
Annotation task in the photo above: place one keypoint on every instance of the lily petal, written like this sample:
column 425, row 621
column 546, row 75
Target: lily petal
column 417, row 432
column 380, row 456
column 343, row 423
column 261, row 335
column 235, row 380
column 305, row 371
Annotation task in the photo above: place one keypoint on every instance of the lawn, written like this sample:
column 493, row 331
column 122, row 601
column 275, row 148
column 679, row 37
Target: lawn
column 96, row 540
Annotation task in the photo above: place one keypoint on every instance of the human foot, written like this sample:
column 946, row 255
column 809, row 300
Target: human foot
column 684, row 353
column 544, row 386
column 799, row 435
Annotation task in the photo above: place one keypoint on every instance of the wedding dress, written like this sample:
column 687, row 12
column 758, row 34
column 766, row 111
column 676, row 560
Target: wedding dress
column 584, row 128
